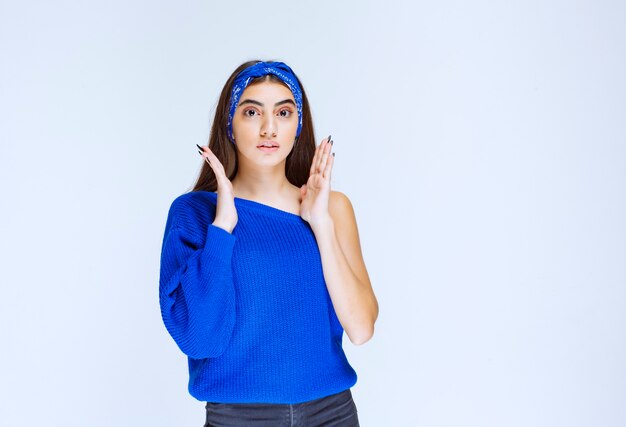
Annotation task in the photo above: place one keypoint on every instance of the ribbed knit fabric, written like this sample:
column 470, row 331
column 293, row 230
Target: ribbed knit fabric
column 250, row 309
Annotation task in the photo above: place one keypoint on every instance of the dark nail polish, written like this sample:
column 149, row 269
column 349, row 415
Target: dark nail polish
column 199, row 147
column 200, row 152
column 331, row 142
column 328, row 138
column 333, row 154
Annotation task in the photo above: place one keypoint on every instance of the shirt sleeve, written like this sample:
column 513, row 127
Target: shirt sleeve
column 196, row 289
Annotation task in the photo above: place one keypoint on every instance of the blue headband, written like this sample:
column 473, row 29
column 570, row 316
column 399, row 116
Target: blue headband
column 279, row 69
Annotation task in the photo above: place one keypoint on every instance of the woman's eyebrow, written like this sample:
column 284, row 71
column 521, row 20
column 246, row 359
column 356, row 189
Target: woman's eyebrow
column 252, row 101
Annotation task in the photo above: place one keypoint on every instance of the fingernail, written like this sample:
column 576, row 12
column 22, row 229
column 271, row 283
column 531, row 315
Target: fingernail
column 328, row 138
column 333, row 154
column 200, row 152
column 199, row 147
column 331, row 142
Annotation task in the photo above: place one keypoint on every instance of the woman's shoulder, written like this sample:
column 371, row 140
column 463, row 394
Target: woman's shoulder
column 193, row 204
column 340, row 206
column 194, row 198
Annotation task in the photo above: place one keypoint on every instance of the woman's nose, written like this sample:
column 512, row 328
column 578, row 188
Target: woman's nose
column 268, row 126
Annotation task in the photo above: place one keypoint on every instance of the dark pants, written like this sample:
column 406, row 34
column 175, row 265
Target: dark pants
column 334, row 410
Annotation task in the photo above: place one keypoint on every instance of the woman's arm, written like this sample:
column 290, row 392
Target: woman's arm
column 196, row 290
column 344, row 270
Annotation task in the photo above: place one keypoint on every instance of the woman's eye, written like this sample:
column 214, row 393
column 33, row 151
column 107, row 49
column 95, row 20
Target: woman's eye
column 247, row 113
column 287, row 113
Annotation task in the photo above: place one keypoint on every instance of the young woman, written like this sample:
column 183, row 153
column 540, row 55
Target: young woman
column 261, row 265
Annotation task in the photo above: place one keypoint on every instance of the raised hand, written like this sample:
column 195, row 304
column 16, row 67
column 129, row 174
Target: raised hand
column 316, row 192
column 225, row 213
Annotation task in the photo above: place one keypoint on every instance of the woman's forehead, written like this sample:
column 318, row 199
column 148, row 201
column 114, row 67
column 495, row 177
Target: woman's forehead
column 267, row 90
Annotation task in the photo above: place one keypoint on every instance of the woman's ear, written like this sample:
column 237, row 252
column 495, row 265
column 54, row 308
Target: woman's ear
column 303, row 191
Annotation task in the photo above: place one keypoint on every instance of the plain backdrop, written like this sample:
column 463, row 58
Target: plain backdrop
column 482, row 144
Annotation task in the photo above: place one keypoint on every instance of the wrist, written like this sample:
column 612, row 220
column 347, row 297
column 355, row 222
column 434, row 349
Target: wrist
column 222, row 226
column 323, row 224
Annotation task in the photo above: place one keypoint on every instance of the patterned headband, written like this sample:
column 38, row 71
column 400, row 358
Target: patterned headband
column 279, row 69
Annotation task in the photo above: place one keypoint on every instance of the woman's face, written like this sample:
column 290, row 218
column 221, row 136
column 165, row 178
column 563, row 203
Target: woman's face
column 266, row 113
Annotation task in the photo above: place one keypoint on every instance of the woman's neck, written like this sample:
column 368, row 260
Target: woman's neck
column 262, row 185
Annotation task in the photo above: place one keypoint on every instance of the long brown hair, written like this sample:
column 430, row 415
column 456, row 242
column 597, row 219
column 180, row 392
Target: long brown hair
column 298, row 162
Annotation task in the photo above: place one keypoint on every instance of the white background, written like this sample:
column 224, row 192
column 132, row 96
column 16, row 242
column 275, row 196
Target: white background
column 483, row 146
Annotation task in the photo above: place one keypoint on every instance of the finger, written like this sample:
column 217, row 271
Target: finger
column 208, row 154
column 323, row 147
column 320, row 155
column 317, row 157
column 214, row 162
column 329, row 166
column 202, row 149
column 203, row 153
column 324, row 157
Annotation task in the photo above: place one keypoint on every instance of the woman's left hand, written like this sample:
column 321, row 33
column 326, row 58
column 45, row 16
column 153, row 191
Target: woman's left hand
column 316, row 192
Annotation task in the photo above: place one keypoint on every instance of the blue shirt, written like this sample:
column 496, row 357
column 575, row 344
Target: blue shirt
column 250, row 309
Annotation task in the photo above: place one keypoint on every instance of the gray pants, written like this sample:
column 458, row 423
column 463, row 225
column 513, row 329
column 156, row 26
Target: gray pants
column 334, row 410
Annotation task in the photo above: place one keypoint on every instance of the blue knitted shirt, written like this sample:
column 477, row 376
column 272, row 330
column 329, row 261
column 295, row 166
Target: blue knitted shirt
column 250, row 308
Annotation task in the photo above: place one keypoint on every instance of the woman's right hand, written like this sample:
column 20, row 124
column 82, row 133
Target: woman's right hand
column 225, row 213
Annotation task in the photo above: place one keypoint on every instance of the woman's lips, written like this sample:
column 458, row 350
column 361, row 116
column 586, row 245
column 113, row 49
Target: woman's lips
column 267, row 149
column 263, row 147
